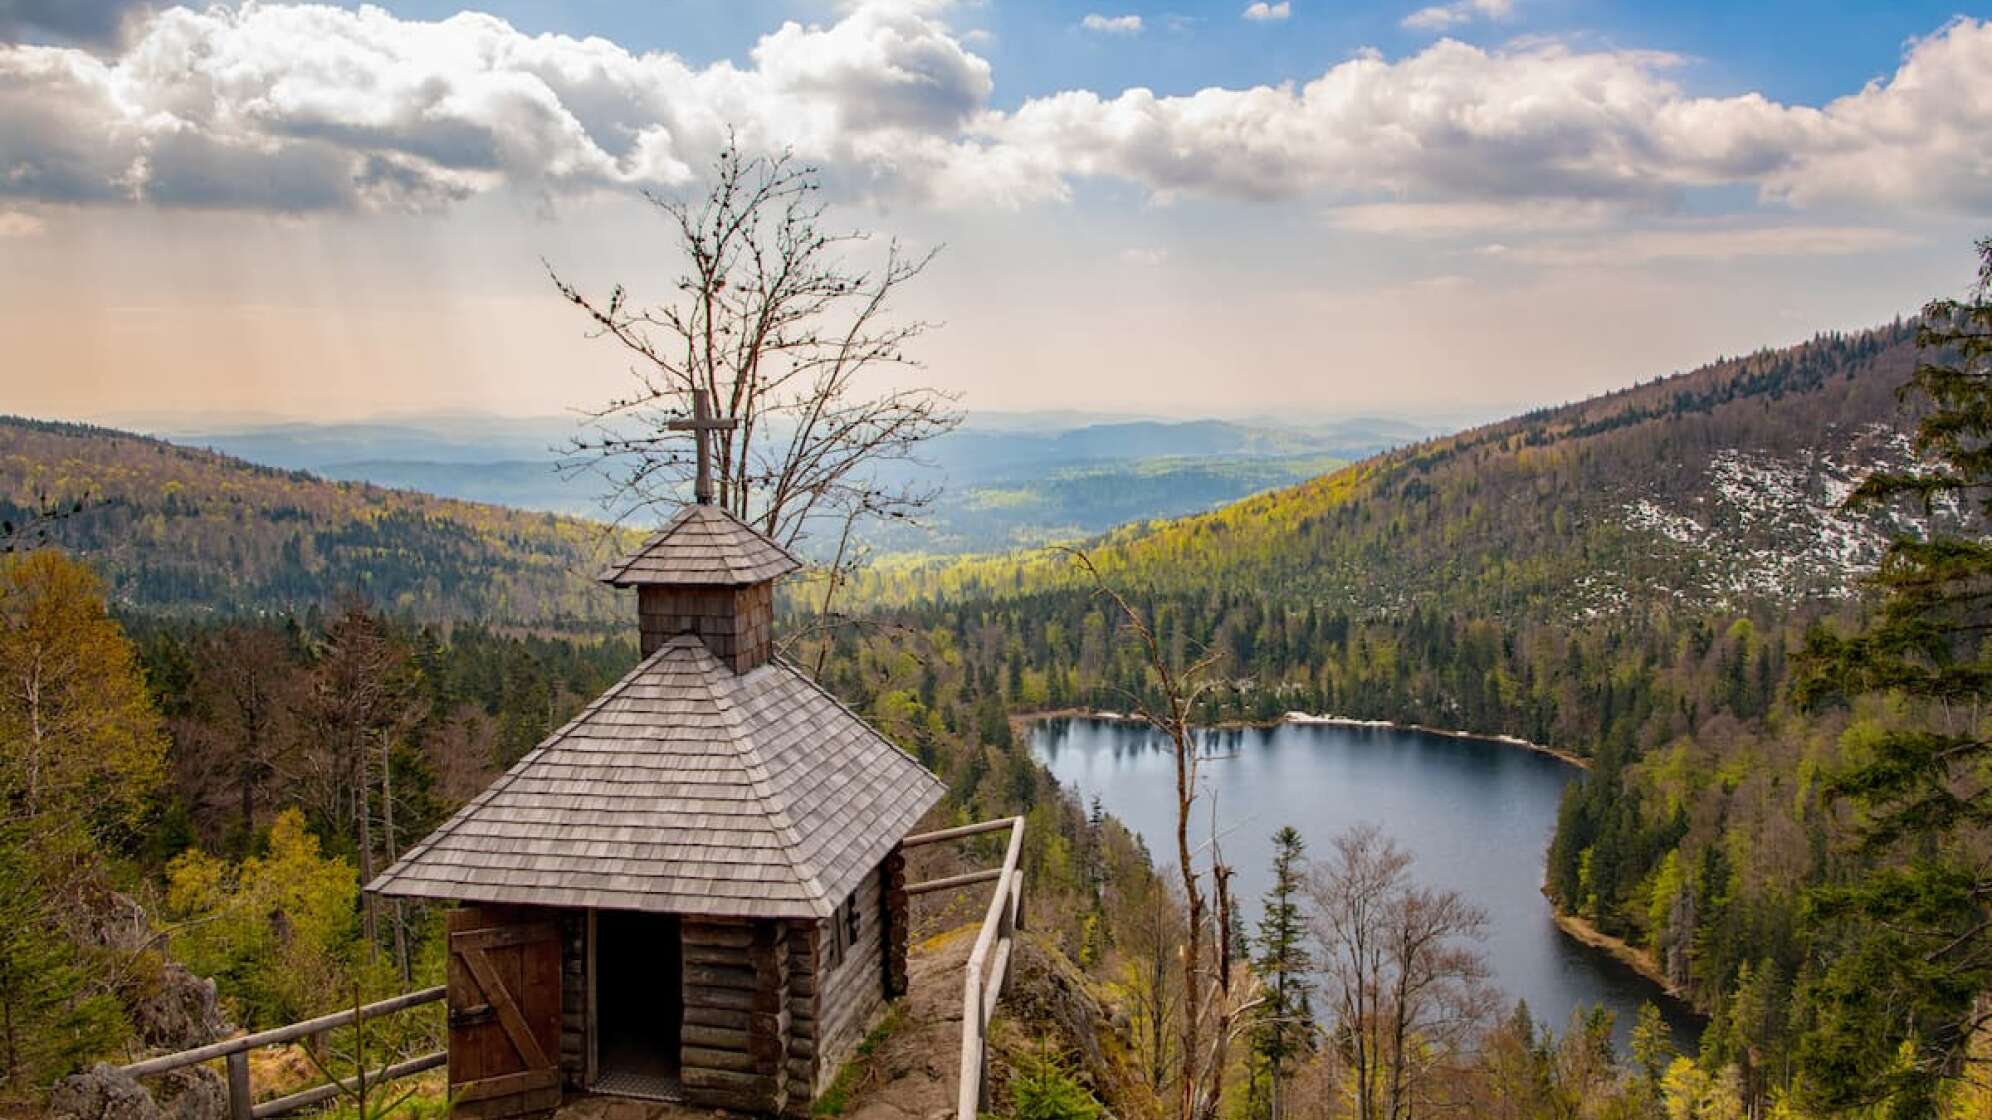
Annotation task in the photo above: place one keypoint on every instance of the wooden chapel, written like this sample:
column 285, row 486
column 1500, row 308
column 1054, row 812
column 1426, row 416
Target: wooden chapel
column 693, row 891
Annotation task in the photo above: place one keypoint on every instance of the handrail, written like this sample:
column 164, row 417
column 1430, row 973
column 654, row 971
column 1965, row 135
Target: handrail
column 989, row 962
column 241, row 1105
column 965, row 880
column 957, row 832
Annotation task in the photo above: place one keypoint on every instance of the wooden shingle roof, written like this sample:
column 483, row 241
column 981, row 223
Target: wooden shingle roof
column 683, row 789
column 703, row 545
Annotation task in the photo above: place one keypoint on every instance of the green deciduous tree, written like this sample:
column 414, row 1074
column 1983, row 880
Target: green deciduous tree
column 276, row 930
column 81, row 754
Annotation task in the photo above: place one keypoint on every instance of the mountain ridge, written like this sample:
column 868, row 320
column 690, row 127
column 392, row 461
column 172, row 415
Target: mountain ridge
column 1655, row 492
column 189, row 532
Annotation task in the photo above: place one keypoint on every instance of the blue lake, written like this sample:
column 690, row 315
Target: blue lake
column 1476, row 815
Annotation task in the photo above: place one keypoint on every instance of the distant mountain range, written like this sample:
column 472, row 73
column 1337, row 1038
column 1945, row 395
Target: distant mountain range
column 1007, row 479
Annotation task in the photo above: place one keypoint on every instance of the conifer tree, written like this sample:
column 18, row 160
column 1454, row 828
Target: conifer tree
column 1910, row 941
column 1286, row 1022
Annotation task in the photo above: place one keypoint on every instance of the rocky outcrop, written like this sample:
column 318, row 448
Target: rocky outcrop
column 169, row 1008
column 1051, row 1002
column 106, row 1093
column 178, row 1012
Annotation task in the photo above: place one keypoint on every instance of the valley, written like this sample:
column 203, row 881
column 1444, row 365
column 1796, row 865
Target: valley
column 1003, row 482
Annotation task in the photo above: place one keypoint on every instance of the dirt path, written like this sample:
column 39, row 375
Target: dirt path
column 914, row 1073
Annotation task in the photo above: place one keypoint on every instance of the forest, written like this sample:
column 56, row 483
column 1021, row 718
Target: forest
column 201, row 792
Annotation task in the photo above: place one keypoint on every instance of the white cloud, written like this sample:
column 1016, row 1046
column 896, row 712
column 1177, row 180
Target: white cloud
column 14, row 223
column 295, row 108
column 1262, row 12
column 1439, row 17
column 1145, row 257
column 1541, row 123
column 1112, row 25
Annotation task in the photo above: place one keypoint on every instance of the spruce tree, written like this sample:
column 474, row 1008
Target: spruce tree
column 1286, row 1024
column 1908, row 943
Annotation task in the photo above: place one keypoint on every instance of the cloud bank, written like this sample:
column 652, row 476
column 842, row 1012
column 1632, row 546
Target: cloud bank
column 297, row 108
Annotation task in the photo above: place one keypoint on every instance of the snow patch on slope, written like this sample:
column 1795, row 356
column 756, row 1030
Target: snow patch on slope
column 1753, row 524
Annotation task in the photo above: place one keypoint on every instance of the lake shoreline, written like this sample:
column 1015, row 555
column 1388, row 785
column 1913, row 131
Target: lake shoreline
column 1019, row 720
column 1626, row 953
column 1619, row 974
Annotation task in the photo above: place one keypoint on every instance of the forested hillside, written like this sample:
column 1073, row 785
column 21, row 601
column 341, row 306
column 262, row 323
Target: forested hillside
column 1711, row 488
column 1627, row 579
column 192, row 533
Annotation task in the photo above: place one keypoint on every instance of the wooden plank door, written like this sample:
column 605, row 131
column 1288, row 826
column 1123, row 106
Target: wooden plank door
column 504, row 1001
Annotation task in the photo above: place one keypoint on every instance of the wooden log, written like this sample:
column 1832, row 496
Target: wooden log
column 241, row 1105
column 276, row 1035
column 734, row 999
column 724, row 976
column 716, row 955
column 956, row 833
column 718, row 1017
column 756, row 1085
column 893, row 915
column 703, row 932
column 319, row 1095
column 706, row 1059
column 717, row 1038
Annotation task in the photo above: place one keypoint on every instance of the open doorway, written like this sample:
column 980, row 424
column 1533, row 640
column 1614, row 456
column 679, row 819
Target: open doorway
column 639, row 1004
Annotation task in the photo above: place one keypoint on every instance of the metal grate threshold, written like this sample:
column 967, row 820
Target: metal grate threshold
column 644, row 1086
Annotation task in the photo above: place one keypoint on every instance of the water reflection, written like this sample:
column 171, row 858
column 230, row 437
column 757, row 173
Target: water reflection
column 1476, row 815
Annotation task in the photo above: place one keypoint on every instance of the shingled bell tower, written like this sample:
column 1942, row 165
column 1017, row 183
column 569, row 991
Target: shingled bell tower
column 706, row 573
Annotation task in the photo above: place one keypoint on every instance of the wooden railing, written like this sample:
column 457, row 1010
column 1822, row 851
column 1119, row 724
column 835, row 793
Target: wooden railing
column 989, row 962
column 235, row 1051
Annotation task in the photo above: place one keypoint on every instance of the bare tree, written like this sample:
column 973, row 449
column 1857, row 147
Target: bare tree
column 775, row 323
column 1213, row 1002
column 1408, row 994
column 238, row 748
column 1151, row 940
column 362, row 700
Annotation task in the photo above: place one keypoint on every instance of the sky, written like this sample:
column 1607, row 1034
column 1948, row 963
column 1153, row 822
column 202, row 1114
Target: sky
column 1284, row 210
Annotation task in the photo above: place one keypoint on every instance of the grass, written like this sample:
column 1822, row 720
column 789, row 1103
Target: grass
column 837, row 1098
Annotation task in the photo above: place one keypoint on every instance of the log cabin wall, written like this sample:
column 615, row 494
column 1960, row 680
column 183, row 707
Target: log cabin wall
column 803, row 940
column 850, row 982
column 737, row 1023
column 574, row 999
column 896, row 915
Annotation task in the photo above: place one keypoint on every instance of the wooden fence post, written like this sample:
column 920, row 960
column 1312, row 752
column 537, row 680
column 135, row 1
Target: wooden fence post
column 241, row 1106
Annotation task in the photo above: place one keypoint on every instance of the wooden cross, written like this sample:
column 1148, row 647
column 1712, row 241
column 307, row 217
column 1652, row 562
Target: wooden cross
column 701, row 423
